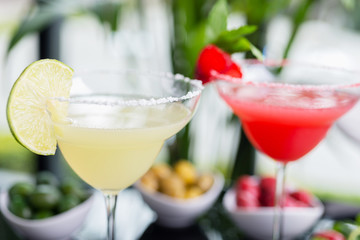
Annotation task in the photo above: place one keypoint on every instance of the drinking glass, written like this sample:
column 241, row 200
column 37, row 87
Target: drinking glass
column 286, row 108
column 115, row 122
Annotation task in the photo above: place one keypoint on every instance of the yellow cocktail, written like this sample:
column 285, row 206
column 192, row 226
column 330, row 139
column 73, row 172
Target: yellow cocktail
column 114, row 124
column 112, row 150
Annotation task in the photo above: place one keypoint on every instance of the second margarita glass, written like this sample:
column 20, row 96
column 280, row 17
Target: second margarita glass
column 286, row 109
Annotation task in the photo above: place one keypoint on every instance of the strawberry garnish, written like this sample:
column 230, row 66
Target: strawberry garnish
column 328, row 235
column 213, row 60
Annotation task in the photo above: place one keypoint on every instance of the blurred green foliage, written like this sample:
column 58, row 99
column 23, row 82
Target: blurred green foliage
column 191, row 19
column 15, row 157
column 189, row 32
column 194, row 24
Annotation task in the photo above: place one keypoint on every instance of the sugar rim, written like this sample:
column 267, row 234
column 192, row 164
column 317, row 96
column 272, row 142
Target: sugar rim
column 219, row 77
column 197, row 88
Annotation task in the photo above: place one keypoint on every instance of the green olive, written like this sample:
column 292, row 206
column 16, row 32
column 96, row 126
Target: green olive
column 45, row 197
column 67, row 202
column 47, row 177
column 84, row 195
column 19, row 207
column 70, row 186
column 43, row 214
column 23, row 189
column 74, row 188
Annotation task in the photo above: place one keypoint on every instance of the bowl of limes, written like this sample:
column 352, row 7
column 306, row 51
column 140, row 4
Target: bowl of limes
column 46, row 208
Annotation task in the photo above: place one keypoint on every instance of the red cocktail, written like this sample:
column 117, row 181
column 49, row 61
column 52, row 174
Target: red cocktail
column 286, row 109
column 286, row 127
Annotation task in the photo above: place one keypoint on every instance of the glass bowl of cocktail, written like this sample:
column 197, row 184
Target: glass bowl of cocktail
column 286, row 109
column 110, row 124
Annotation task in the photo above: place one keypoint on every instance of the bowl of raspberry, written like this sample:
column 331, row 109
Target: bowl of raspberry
column 250, row 205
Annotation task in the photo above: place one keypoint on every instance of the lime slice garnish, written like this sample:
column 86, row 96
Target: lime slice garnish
column 27, row 115
column 355, row 234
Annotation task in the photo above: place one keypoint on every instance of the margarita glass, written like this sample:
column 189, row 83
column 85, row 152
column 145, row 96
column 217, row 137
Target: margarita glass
column 116, row 123
column 286, row 109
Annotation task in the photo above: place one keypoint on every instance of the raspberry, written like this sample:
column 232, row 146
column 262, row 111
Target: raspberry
column 267, row 191
column 303, row 196
column 328, row 235
column 251, row 193
column 247, row 192
column 247, row 200
column 248, row 183
column 292, row 202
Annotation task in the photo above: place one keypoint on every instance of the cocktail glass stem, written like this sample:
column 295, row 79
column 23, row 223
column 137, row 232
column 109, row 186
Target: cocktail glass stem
column 110, row 202
column 279, row 201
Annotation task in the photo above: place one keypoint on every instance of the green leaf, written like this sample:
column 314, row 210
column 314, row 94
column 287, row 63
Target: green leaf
column 298, row 18
column 349, row 4
column 36, row 21
column 256, row 52
column 239, row 45
column 233, row 35
column 107, row 12
column 217, row 20
column 233, row 41
column 41, row 16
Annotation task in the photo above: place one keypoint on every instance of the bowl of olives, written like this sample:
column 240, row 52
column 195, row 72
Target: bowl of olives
column 46, row 208
column 179, row 194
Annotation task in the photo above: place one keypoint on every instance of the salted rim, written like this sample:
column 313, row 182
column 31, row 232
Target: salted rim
column 219, row 77
column 196, row 84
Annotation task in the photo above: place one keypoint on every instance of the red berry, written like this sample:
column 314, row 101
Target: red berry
column 248, row 183
column 267, row 191
column 303, row 196
column 212, row 58
column 268, row 184
column 247, row 200
column 247, row 192
column 292, row 202
column 328, row 235
column 233, row 71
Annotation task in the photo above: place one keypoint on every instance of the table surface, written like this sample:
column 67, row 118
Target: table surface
column 135, row 220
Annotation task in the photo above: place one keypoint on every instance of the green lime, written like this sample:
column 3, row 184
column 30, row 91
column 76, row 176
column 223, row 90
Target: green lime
column 67, row 202
column 355, row 234
column 43, row 214
column 28, row 105
column 19, row 207
column 46, row 177
column 45, row 197
column 23, row 189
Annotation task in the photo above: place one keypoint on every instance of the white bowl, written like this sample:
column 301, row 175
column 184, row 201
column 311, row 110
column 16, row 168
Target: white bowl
column 177, row 213
column 258, row 222
column 58, row 227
